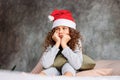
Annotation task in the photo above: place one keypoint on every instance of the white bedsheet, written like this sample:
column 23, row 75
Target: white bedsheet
column 13, row 75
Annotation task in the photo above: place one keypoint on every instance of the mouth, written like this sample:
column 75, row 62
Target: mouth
column 60, row 36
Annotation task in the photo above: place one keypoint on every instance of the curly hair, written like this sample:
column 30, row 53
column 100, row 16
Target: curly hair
column 74, row 34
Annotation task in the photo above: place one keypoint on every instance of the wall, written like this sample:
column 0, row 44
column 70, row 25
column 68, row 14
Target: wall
column 24, row 24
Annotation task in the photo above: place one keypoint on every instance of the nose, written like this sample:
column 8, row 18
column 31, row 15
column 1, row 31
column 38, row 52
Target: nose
column 61, row 30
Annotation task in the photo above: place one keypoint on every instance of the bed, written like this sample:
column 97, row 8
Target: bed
column 103, row 70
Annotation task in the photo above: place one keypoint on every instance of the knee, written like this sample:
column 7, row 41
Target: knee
column 67, row 69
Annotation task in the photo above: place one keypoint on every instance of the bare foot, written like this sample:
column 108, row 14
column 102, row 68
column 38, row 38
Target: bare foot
column 42, row 74
column 68, row 74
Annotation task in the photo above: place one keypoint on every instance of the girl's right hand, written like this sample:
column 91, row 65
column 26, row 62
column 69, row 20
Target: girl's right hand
column 56, row 38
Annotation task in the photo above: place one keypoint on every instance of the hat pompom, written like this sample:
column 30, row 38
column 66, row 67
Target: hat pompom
column 51, row 18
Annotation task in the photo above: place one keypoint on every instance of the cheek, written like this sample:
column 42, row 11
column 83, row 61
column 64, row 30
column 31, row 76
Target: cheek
column 66, row 32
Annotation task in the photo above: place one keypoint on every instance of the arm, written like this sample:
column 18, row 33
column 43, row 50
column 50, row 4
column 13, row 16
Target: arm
column 46, row 60
column 74, row 57
column 48, row 56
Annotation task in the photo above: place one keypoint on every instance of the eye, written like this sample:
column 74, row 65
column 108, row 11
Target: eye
column 64, row 28
column 56, row 29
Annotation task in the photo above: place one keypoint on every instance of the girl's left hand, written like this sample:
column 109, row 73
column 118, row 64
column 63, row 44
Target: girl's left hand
column 65, row 39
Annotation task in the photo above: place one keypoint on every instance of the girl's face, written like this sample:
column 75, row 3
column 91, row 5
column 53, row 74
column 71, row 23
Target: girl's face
column 61, row 30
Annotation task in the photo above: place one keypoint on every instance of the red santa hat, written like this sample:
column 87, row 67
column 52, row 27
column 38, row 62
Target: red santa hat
column 62, row 18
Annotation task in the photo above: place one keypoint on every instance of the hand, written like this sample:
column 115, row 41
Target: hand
column 65, row 39
column 56, row 38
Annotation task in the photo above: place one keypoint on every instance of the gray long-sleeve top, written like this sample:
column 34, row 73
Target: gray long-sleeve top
column 74, row 57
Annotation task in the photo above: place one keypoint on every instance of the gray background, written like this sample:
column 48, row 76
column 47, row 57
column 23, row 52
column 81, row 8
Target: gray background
column 24, row 25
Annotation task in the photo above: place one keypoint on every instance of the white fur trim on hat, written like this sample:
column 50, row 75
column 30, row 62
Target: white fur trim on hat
column 64, row 22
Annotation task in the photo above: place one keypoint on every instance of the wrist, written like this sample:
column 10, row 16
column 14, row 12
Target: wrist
column 64, row 45
column 57, row 44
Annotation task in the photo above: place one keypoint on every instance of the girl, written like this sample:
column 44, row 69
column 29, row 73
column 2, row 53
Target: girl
column 63, row 40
